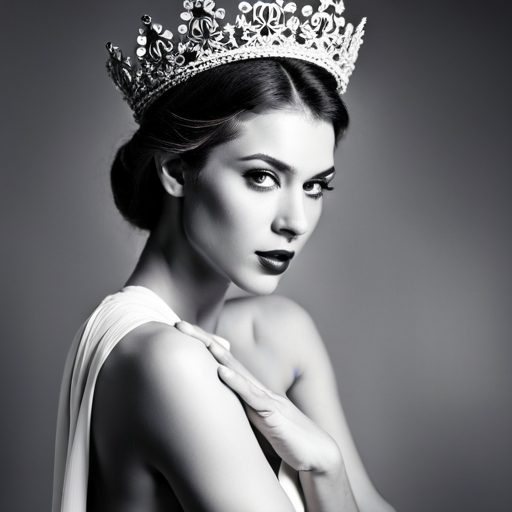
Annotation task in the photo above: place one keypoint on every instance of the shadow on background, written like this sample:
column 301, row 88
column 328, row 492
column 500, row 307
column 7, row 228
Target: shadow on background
column 408, row 275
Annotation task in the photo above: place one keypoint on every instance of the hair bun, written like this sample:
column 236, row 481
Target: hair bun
column 137, row 191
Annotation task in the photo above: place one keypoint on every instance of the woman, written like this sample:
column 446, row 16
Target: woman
column 227, row 173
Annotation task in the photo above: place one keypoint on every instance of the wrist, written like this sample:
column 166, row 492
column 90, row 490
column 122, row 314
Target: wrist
column 329, row 462
column 326, row 487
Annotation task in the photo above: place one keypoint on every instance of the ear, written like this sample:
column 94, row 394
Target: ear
column 170, row 172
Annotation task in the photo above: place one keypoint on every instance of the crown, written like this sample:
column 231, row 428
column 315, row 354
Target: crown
column 261, row 30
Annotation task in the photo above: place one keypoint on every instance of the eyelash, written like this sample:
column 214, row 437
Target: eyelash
column 261, row 172
column 324, row 184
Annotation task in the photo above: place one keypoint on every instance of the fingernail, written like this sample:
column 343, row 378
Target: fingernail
column 225, row 371
column 184, row 327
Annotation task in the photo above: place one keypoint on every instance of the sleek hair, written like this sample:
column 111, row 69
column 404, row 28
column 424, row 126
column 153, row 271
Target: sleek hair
column 199, row 114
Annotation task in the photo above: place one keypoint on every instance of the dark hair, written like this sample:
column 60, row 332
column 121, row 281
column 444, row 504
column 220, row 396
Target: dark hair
column 199, row 114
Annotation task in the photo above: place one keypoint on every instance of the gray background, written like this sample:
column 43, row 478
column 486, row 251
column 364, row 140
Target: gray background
column 408, row 275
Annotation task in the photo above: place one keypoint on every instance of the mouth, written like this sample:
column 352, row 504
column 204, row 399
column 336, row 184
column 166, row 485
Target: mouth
column 275, row 261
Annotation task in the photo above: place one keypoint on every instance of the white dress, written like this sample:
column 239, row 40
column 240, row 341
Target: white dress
column 114, row 318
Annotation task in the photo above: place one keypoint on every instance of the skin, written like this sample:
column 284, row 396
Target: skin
column 169, row 434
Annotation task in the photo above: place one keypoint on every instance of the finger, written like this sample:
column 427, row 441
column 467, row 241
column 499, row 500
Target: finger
column 194, row 331
column 255, row 397
column 217, row 347
column 222, row 341
column 227, row 359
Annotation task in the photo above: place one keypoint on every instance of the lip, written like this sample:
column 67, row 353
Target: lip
column 275, row 261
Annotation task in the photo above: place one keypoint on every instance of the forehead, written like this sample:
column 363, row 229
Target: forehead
column 290, row 136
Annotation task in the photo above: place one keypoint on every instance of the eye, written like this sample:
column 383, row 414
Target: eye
column 315, row 189
column 261, row 179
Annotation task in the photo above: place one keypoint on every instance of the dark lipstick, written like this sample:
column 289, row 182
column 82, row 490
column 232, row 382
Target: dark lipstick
column 275, row 261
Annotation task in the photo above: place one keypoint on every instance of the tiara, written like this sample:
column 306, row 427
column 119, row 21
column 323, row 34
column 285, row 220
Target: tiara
column 261, row 30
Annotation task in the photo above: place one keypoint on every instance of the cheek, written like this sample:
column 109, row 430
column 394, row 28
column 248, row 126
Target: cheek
column 316, row 213
column 313, row 213
column 204, row 216
column 220, row 221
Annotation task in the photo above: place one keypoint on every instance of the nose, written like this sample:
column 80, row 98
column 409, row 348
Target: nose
column 290, row 220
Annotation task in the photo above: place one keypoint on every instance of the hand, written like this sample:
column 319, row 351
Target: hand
column 297, row 440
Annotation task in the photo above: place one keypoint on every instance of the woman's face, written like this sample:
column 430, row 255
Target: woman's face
column 259, row 197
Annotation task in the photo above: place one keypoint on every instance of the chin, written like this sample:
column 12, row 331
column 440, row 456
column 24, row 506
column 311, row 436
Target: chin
column 258, row 285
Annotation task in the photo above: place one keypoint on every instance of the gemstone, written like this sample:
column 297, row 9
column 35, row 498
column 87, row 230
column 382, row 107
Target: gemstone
column 142, row 40
column 245, row 7
column 186, row 16
column 307, row 10
column 183, row 29
column 220, row 13
column 146, row 19
column 290, row 7
column 157, row 27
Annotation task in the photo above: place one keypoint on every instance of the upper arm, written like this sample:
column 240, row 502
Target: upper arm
column 315, row 390
column 184, row 422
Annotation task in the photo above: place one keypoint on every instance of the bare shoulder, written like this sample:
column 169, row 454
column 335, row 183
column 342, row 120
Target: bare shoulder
column 152, row 354
column 146, row 379
column 269, row 308
column 156, row 358
column 277, row 322
column 153, row 345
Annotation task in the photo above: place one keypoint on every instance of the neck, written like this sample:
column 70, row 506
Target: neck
column 172, row 268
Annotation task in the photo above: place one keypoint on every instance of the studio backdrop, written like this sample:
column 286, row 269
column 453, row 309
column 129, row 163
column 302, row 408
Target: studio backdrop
column 407, row 276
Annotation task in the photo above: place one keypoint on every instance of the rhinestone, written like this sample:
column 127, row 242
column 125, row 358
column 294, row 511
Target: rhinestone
column 186, row 16
column 142, row 40
column 167, row 34
column 146, row 19
column 245, row 7
column 220, row 14
column 140, row 52
column 183, row 29
column 157, row 27
column 290, row 7
column 187, row 4
column 307, row 10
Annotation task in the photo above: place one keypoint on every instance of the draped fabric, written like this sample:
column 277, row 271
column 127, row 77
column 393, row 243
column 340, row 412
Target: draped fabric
column 113, row 319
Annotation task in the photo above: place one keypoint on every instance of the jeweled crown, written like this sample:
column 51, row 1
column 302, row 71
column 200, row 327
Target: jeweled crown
column 261, row 30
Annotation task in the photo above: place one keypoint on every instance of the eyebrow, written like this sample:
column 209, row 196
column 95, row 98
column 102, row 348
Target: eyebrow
column 283, row 167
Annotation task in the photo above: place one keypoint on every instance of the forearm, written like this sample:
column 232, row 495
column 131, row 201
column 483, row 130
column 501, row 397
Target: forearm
column 328, row 490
